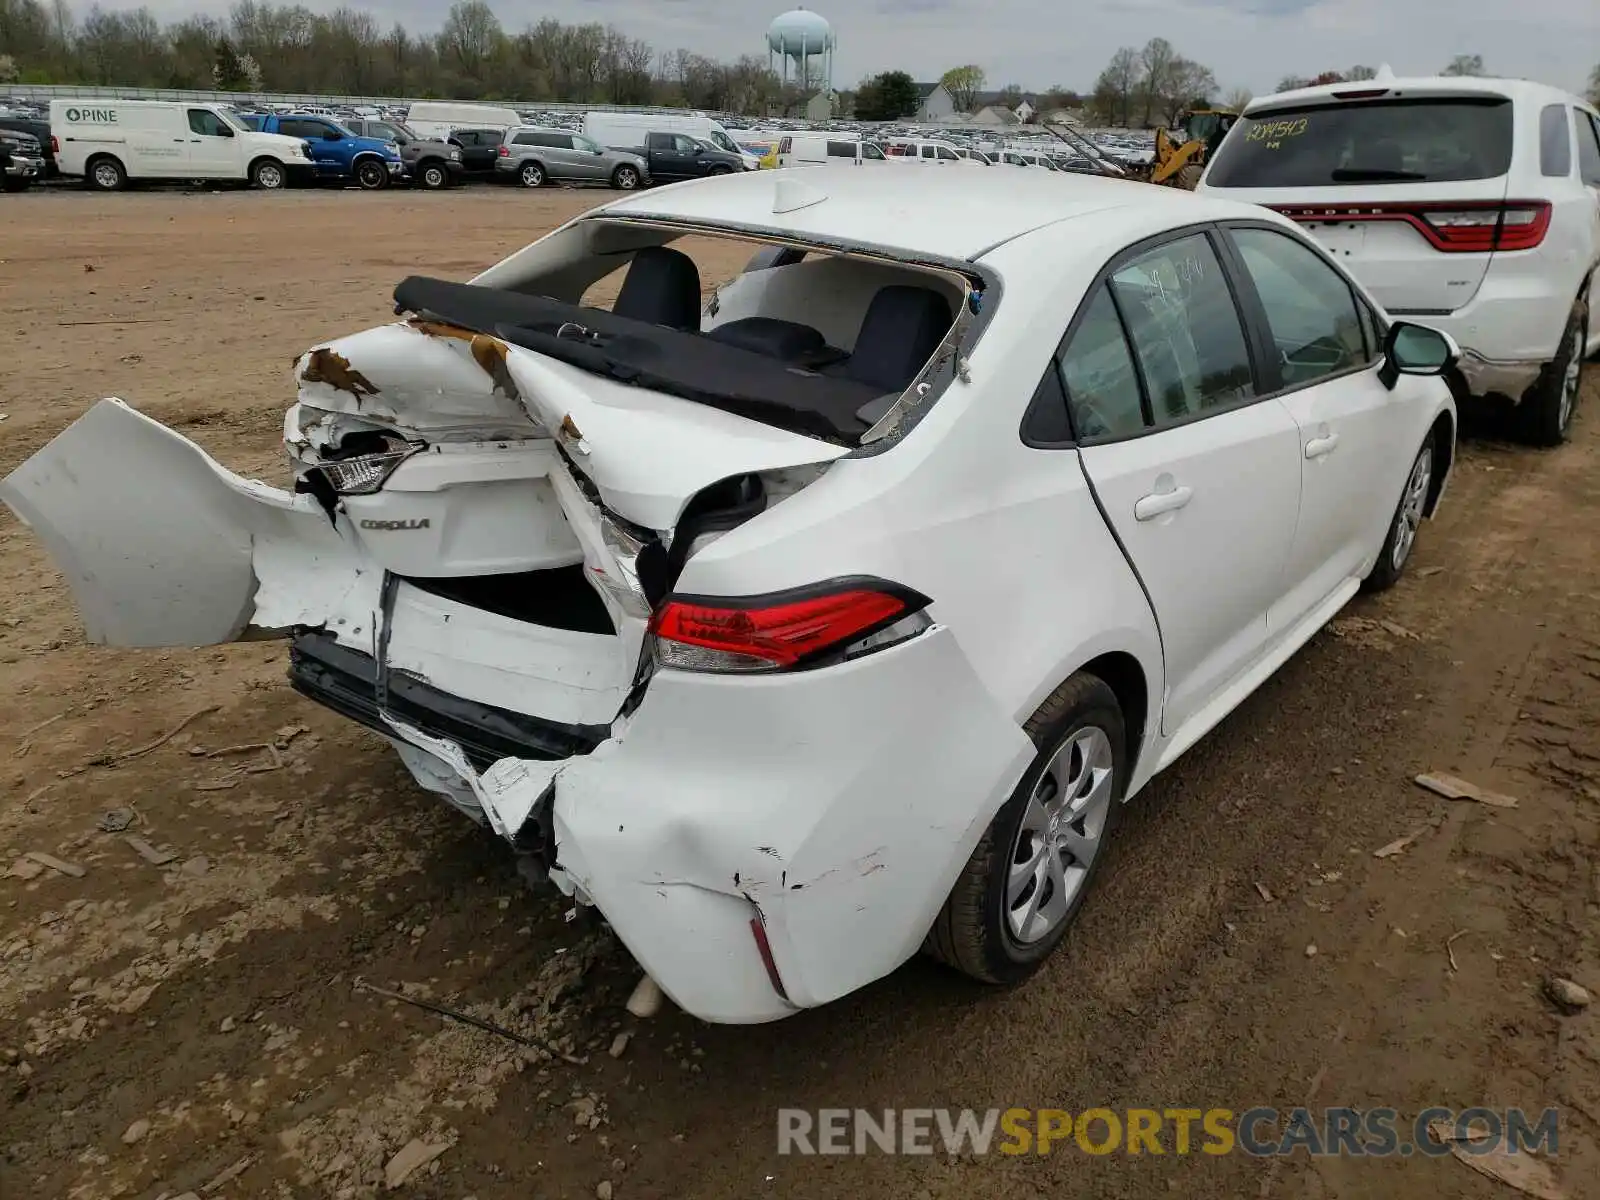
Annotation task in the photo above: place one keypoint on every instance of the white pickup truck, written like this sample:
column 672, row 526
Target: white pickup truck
column 109, row 142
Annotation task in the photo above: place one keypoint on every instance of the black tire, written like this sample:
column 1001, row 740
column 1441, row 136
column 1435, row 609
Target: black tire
column 433, row 175
column 371, row 175
column 720, row 171
column 625, row 178
column 17, row 185
column 105, row 174
column 269, row 175
column 531, row 175
column 1398, row 544
column 972, row 932
column 1544, row 418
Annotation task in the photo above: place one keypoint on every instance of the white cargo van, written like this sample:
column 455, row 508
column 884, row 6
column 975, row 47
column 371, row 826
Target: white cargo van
column 440, row 118
column 820, row 149
column 627, row 130
column 109, row 142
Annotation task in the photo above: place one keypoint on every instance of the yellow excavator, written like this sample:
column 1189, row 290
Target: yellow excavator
column 1181, row 153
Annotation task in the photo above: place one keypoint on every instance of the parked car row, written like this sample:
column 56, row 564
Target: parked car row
column 112, row 143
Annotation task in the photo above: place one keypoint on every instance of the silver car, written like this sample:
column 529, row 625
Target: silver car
column 535, row 157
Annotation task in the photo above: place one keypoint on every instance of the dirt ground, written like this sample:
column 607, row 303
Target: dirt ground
column 205, row 1024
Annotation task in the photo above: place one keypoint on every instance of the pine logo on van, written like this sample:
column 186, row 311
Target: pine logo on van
column 104, row 116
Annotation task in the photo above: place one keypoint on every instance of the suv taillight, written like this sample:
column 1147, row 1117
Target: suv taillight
column 838, row 620
column 504, row 152
column 55, row 144
column 1470, row 227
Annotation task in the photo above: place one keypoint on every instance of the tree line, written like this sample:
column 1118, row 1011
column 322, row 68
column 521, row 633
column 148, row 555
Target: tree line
column 289, row 48
column 1149, row 86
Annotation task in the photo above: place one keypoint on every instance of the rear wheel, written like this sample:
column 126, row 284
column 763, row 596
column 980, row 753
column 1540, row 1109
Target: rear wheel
column 1544, row 418
column 433, row 176
column 531, row 175
column 106, row 174
column 17, row 185
column 721, row 171
column 625, row 178
column 1034, row 865
column 268, row 175
column 371, row 175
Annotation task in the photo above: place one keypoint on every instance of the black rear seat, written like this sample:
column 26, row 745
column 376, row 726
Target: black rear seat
column 902, row 328
column 662, row 287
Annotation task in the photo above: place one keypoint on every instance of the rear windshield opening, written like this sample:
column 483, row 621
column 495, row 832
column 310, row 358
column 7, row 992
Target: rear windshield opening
column 814, row 341
column 1439, row 140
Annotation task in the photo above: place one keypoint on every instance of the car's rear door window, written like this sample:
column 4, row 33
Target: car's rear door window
column 1185, row 328
column 1098, row 373
column 1435, row 140
column 1311, row 311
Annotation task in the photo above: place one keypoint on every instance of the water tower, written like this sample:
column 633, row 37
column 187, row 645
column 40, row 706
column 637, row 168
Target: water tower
column 804, row 39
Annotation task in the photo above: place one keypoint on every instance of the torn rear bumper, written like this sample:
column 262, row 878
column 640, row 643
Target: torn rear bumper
column 346, row 681
column 835, row 807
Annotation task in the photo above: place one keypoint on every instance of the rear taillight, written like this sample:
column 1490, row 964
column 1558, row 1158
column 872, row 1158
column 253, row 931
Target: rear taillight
column 1473, row 227
column 832, row 622
column 55, row 144
column 364, row 474
column 504, row 152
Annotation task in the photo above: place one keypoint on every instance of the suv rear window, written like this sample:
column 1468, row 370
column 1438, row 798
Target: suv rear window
column 1367, row 142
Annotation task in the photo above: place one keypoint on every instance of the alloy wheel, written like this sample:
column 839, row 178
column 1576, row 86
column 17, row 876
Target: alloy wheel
column 1571, row 379
column 1060, row 835
column 1412, row 503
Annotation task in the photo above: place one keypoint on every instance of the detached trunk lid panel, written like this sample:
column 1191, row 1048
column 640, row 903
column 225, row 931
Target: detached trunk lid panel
column 164, row 547
column 649, row 453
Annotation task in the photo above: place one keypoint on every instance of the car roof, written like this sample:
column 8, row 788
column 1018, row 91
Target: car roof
column 942, row 212
column 1523, row 90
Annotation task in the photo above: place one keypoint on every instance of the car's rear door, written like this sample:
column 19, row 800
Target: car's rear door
column 1357, row 436
column 1198, row 476
column 1588, row 134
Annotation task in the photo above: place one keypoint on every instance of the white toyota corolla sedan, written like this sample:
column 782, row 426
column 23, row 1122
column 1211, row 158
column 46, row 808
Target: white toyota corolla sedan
column 827, row 618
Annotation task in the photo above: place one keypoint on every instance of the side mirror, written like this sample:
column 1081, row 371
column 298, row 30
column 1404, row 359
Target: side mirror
column 1415, row 350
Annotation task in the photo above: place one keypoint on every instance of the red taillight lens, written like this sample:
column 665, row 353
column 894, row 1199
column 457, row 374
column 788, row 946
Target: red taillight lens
column 1362, row 94
column 1468, row 228
column 504, row 152
column 774, row 633
column 55, row 144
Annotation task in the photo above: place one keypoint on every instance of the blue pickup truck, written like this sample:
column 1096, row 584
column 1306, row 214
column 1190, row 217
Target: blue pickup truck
column 338, row 152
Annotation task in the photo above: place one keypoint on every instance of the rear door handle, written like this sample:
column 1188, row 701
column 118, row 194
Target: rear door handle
column 1148, row 508
column 1317, row 447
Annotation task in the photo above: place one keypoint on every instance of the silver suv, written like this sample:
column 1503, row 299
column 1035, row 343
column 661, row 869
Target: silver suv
column 534, row 157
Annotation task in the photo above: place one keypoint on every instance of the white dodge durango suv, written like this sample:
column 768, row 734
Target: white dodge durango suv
column 1472, row 205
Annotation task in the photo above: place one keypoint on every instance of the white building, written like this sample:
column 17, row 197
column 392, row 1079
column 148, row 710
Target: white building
column 937, row 103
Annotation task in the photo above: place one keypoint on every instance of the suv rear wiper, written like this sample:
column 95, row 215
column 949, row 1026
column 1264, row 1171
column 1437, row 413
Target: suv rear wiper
column 1374, row 175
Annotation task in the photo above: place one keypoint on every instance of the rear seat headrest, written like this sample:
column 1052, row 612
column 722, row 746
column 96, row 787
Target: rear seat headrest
column 662, row 287
column 902, row 328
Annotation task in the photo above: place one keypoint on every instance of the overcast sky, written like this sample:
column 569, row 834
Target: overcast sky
column 1248, row 43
